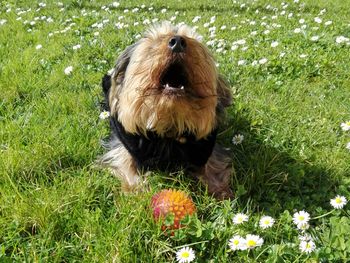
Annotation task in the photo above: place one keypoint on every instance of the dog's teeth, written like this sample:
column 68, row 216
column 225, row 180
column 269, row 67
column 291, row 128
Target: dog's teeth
column 182, row 87
column 167, row 85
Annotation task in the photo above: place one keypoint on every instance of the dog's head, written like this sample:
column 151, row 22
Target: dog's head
column 167, row 83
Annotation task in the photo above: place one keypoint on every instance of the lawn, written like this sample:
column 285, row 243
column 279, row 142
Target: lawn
column 288, row 65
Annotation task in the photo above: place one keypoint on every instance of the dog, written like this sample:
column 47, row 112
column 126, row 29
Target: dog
column 166, row 101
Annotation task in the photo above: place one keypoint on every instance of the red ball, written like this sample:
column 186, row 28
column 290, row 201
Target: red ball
column 174, row 202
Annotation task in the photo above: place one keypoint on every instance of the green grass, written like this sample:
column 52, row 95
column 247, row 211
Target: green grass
column 57, row 206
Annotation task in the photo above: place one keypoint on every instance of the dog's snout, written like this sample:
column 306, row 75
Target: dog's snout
column 177, row 44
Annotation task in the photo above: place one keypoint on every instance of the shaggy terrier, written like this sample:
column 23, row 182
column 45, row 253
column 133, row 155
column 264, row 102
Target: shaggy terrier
column 166, row 101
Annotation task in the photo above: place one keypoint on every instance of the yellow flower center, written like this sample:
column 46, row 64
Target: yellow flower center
column 251, row 243
column 338, row 200
column 301, row 218
column 304, row 226
column 347, row 123
column 185, row 254
column 236, row 242
column 266, row 222
column 308, row 245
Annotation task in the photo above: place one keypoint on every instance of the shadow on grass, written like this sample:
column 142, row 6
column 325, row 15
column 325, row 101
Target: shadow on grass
column 272, row 180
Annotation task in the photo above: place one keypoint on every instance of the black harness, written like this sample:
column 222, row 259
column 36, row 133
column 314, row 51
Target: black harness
column 167, row 154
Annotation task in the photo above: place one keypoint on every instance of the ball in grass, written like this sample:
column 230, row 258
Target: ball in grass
column 174, row 203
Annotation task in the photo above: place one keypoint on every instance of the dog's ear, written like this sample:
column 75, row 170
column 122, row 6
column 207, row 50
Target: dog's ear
column 224, row 93
column 122, row 64
column 116, row 75
column 106, row 86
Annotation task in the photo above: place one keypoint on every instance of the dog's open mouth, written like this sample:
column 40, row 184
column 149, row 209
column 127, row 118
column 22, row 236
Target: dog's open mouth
column 174, row 79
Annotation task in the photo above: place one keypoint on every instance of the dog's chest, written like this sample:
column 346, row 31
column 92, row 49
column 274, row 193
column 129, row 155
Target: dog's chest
column 154, row 152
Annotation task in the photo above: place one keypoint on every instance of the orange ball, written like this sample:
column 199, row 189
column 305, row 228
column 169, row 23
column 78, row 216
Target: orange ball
column 174, row 202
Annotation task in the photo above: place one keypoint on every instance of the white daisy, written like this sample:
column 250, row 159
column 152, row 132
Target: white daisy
column 237, row 243
column 303, row 226
column 274, row 44
column 328, row 23
column 115, row 4
column 76, row 47
column 338, row 202
column 238, row 138
column 318, row 20
column 307, row 246
column 240, row 42
column 301, row 217
column 348, row 146
column 345, row 126
column 262, row 61
column 104, row 115
column 240, row 218
column 305, row 237
column 38, row 47
column 266, row 222
column 240, row 63
column 68, row 70
column 252, row 241
column 185, row 254
column 315, row 38
column 212, row 19
column 3, row 22
column 297, row 30
column 254, row 63
column 196, row 19
column 341, row 39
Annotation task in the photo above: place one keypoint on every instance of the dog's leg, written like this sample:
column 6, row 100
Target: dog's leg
column 216, row 174
column 123, row 166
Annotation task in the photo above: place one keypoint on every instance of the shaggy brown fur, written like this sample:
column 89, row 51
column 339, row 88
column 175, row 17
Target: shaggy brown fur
column 171, row 95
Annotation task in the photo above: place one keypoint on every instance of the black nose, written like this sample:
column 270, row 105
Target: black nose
column 177, row 44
